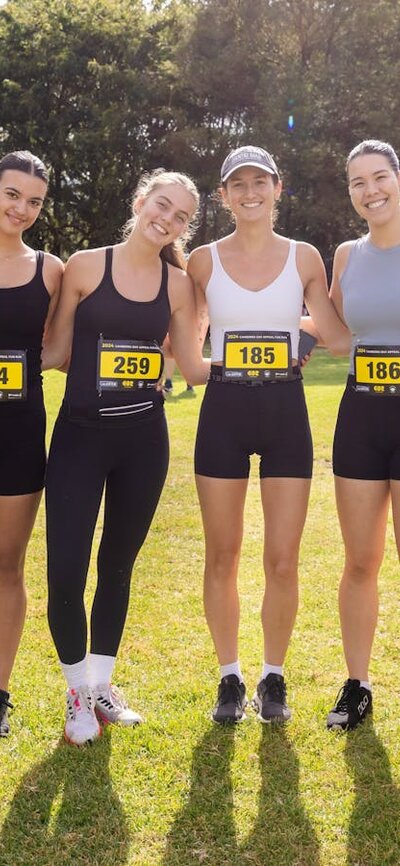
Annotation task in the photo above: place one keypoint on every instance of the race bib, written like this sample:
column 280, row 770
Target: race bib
column 256, row 356
column 377, row 370
column 126, row 364
column 13, row 375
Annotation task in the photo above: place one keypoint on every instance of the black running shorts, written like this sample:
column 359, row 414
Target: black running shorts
column 22, row 447
column 366, row 444
column 239, row 420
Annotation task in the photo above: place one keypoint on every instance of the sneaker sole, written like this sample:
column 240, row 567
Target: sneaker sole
column 243, row 718
column 104, row 721
column 273, row 720
column 85, row 743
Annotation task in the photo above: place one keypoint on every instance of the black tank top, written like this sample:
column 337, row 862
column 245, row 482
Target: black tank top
column 107, row 313
column 23, row 311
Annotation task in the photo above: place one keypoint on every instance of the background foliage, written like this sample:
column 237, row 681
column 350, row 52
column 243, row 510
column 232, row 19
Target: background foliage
column 104, row 89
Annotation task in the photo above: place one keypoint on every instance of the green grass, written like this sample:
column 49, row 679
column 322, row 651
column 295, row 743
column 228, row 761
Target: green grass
column 180, row 791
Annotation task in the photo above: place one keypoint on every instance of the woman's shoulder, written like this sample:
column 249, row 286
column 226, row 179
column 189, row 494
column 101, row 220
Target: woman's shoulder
column 85, row 269
column 343, row 251
column 53, row 269
column 200, row 264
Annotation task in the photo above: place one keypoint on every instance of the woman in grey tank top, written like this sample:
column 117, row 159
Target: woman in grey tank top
column 366, row 453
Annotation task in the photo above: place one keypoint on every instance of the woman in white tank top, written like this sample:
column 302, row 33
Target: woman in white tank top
column 254, row 283
column 366, row 453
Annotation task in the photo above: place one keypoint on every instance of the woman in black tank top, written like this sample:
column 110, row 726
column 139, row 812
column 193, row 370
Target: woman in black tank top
column 29, row 283
column 116, row 307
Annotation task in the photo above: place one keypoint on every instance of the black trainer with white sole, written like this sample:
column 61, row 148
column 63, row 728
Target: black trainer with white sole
column 5, row 705
column 270, row 700
column 353, row 704
column 231, row 701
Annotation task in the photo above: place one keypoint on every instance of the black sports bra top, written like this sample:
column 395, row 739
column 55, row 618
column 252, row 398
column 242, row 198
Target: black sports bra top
column 107, row 314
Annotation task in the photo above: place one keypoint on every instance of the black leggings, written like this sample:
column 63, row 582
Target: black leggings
column 132, row 463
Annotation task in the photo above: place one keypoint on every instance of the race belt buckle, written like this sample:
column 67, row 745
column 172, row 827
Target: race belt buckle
column 123, row 365
column 13, row 375
column 377, row 370
column 256, row 357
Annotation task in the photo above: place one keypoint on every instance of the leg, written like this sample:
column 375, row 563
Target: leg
column 362, row 509
column 395, row 495
column 132, row 493
column 17, row 517
column 75, row 479
column 285, row 505
column 222, row 504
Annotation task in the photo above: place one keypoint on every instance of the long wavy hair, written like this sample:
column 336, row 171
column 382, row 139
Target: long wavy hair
column 173, row 253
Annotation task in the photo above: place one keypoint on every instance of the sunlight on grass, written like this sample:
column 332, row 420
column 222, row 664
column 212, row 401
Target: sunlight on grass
column 180, row 791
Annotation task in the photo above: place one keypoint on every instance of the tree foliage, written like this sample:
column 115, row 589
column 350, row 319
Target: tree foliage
column 104, row 89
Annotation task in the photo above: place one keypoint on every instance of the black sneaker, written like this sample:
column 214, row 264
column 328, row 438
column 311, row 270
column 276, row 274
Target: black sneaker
column 270, row 700
column 353, row 705
column 4, row 705
column 231, row 701
column 168, row 386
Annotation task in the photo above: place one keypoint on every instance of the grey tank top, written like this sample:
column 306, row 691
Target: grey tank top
column 370, row 287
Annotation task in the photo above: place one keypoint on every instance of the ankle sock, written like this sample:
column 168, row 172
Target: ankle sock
column 100, row 669
column 76, row 675
column 232, row 668
column 271, row 669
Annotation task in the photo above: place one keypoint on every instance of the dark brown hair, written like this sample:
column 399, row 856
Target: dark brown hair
column 372, row 145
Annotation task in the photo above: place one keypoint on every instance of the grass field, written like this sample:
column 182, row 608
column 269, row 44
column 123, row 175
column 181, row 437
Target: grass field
column 180, row 791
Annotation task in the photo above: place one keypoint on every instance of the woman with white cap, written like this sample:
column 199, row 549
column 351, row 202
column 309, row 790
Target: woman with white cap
column 254, row 283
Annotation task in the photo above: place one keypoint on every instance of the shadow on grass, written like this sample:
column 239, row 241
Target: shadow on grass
column 204, row 831
column 66, row 813
column 374, row 829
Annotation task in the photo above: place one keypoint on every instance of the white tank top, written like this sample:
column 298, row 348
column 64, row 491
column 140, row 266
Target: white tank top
column 277, row 307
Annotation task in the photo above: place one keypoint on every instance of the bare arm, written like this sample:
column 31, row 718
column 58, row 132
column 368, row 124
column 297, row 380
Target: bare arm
column 330, row 328
column 184, row 331
column 58, row 334
column 199, row 269
column 339, row 264
column 53, row 270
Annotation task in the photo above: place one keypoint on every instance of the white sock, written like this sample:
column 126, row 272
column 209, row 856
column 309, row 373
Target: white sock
column 365, row 685
column 271, row 669
column 100, row 669
column 233, row 668
column 76, row 675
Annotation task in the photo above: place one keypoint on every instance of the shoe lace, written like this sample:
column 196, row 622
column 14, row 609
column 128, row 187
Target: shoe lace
column 276, row 690
column 111, row 696
column 345, row 695
column 229, row 692
column 79, row 701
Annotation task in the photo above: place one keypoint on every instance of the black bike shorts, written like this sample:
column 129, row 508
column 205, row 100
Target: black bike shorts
column 239, row 420
column 22, row 447
column 366, row 444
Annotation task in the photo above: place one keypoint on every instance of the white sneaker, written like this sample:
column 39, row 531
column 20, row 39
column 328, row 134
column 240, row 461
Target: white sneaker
column 112, row 708
column 81, row 724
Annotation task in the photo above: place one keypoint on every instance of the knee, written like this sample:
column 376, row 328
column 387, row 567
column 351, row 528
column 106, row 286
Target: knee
column 221, row 564
column 361, row 571
column 281, row 570
column 11, row 570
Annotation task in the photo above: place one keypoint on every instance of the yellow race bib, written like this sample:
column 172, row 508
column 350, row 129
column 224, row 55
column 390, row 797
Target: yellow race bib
column 13, row 375
column 377, row 370
column 256, row 356
column 126, row 364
